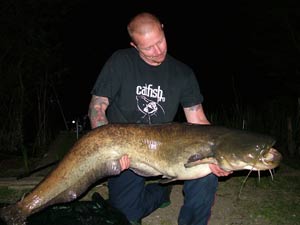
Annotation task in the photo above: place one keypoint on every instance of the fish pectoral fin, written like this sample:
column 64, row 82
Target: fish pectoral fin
column 207, row 160
column 167, row 179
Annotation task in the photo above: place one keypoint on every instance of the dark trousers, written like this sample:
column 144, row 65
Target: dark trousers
column 128, row 193
column 199, row 196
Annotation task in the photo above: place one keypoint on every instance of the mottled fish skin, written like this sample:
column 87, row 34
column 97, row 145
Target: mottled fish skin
column 176, row 151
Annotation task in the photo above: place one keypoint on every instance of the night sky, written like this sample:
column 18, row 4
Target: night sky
column 228, row 45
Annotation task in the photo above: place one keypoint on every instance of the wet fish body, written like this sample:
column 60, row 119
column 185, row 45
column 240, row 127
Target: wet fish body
column 176, row 151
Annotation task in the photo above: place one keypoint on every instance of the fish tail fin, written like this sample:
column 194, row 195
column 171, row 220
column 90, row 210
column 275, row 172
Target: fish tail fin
column 12, row 215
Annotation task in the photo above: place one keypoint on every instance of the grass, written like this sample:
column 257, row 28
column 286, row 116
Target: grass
column 6, row 193
column 280, row 211
column 282, row 203
column 11, row 195
column 276, row 201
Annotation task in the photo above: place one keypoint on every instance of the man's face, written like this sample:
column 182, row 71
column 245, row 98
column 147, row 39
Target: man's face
column 152, row 46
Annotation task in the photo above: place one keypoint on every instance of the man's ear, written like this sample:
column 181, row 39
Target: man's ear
column 133, row 45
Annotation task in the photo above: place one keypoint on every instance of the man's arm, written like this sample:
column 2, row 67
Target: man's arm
column 195, row 114
column 97, row 109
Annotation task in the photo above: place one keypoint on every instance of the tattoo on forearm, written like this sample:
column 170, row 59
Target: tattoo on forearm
column 97, row 110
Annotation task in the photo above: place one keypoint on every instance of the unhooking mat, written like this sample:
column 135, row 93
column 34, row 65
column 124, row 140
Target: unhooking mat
column 94, row 212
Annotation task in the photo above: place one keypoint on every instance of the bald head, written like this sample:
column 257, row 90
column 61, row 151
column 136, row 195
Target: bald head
column 142, row 24
column 148, row 38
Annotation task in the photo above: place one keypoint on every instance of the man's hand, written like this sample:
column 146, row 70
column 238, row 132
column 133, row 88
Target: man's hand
column 215, row 169
column 124, row 162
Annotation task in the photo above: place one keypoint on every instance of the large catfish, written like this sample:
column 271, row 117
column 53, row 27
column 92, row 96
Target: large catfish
column 177, row 151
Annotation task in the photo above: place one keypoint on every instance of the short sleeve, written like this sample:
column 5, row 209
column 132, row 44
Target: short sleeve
column 190, row 93
column 109, row 79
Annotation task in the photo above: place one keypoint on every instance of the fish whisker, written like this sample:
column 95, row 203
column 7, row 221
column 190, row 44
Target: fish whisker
column 271, row 173
column 244, row 182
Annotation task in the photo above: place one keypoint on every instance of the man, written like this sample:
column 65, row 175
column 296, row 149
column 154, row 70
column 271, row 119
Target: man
column 144, row 84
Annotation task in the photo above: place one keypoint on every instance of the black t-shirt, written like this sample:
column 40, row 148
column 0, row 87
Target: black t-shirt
column 141, row 93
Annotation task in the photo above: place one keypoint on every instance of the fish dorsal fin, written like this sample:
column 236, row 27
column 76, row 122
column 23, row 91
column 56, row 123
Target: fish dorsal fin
column 207, row 160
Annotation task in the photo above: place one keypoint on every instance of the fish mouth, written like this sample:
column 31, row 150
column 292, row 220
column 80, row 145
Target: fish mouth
column 266, row 160
column 272, row 155
column 271, row 158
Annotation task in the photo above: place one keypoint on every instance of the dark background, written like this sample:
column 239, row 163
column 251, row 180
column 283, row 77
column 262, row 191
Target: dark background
column 239, row 51
column 245, row 54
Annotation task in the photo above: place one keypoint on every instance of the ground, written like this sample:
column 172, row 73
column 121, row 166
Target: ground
column 239, row 201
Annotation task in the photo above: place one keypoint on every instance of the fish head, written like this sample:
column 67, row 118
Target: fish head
column 243, row 150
